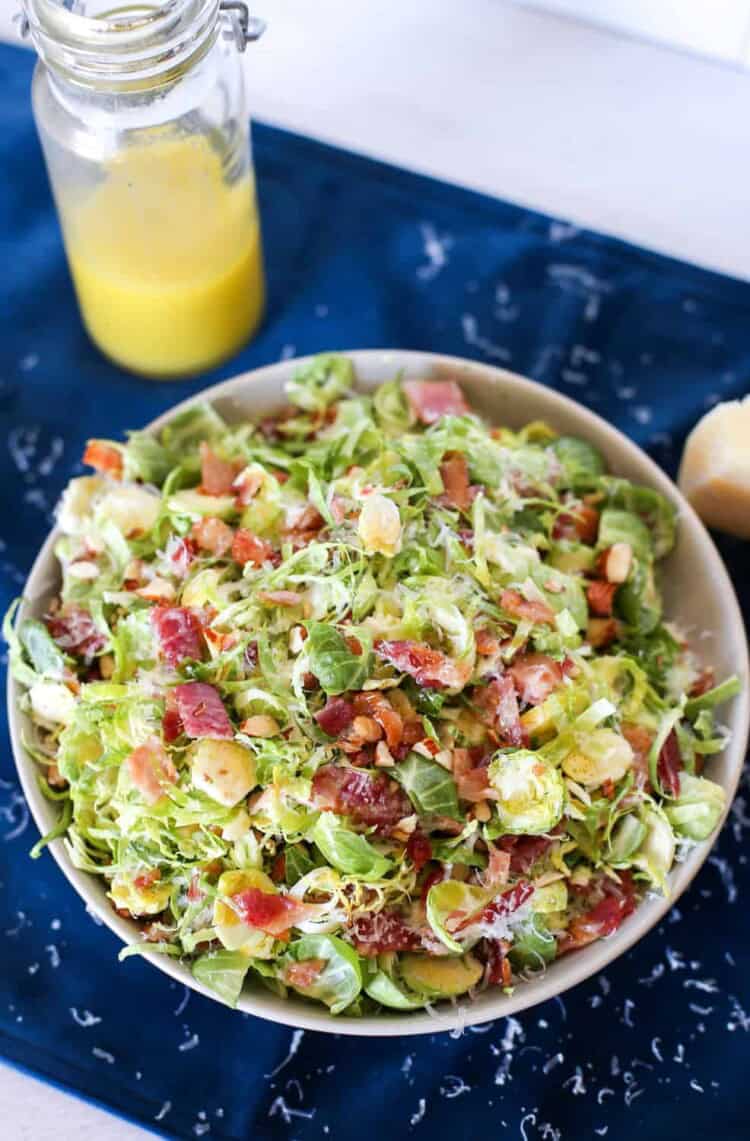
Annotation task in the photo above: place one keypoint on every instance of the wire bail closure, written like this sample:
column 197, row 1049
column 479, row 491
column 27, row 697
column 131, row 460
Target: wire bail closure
column 244, row 29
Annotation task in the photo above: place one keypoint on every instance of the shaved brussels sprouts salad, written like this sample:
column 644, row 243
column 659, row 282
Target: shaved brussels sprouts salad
column 368, row 701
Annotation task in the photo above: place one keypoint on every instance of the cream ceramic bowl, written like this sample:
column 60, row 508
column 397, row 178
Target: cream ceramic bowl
column 698, row 594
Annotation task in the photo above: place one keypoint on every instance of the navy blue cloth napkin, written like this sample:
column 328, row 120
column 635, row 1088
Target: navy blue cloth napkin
column 365, row 255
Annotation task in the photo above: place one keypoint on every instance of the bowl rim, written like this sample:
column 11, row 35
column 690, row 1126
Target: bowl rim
column 569, row 972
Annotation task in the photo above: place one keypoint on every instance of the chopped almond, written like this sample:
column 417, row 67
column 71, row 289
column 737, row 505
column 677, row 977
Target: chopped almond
column 261, row 725
column 616, row 562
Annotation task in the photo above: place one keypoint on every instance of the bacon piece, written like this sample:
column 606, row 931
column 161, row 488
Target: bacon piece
column 429, row 668
column 601, row 597
column 486, row 643
column 472, row 782
column 181, row 553
column 180, row 633
column 535, row 677
column 104, row 457
column 171, row 723
column 202, row 711
column 304, row 973
column 384, row 931
column 270, row 912
column 336, row 715
column 373, row 703
column 669, row 765
column 498, row 965
column 212, row 535
column 524, row 851
column 430, row 400
column 74, row 631
column 640, row 741
column 279, row 597
column 217, row 475
column 704, row 681
column 369, row 798
column 454, row 471
column 603, row 918
column 498, row 708
column 248, row 548
column 147, row 879
column 581, row 523
column 507, row 902
column 419, row 850
column 532, row 611
column 150, row 768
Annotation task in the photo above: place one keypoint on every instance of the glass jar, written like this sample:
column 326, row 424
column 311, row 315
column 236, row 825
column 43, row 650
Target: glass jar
column 141, row 114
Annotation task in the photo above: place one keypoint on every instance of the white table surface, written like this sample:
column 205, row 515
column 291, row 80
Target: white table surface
column 612, row 132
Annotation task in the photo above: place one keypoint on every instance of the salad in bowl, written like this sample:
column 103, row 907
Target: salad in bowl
column 368, row 700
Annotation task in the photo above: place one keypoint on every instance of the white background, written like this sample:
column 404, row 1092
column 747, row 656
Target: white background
column 648, row 139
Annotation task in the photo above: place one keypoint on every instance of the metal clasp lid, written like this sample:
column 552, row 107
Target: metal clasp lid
column 244, row 29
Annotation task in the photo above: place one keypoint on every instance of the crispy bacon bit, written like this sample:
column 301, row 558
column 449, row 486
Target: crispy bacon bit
column 498, row 707
column 524, row 851
column 384, row 931
column 605, row 917
column 147, row 879
column 269, row 912
column 507, row 902
column 535, row 677
column 150, row 768
column 419, row 850
column 601, row 597
column 486, row 643
column 640, row 741
column 429, row 668
column 303, row 974
column 375, row 704
column 279, row 597
column 454, row 471
column 472, row 782
column 181, row 553
column 194, row 891
column 104, row 457
column 305, row 524
column 212, row 535
column 74, row 631
column 171, row 724
column 532, row 611
column 581, row 523
column 430, row 400
column 369, row 798
column 217, row 475
column 336, row 715
column 202, row 711
column 705, row 681
column 180, row 633
column 498, row 964
column 669, row 765
column 278, row 868
column 248, row 548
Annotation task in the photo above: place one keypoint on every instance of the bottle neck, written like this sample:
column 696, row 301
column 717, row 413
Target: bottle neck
column 136, row 47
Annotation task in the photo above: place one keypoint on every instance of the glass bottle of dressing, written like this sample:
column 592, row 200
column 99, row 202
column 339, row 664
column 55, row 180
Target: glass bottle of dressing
column 141, row 113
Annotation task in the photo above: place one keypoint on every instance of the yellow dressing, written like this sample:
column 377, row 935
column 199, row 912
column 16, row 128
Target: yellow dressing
column 166, row 258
